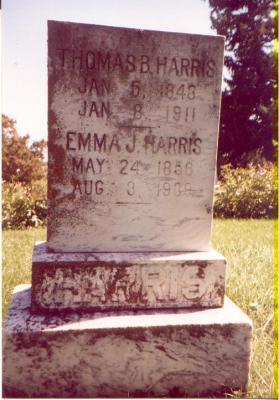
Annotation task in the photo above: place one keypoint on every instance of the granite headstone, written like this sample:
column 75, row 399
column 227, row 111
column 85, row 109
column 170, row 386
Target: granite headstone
column 133, row 128
column 127, row 296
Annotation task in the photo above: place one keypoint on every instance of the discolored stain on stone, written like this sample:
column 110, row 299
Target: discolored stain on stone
column 58, row 155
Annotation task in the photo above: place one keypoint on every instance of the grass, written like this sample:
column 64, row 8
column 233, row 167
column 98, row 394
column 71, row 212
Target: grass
column 248, row 246
column 17, row 258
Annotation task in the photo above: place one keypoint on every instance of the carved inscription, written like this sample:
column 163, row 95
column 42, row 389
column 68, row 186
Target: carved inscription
column 138, row 285
column 133, row 121
column 95, row 93
column 92, row 143
column 100, row 61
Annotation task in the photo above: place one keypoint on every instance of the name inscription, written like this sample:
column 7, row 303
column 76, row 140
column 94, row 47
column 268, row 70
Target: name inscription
column 139, row 285
column 99, row 61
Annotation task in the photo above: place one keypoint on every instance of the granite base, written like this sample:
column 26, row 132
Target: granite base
column 125, row 354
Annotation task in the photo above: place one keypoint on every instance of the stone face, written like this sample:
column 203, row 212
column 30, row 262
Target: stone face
column 129, row 354
column 133, row 124
column 102, row 281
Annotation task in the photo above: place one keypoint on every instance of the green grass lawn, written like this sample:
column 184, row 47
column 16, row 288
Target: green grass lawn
column 248, row 246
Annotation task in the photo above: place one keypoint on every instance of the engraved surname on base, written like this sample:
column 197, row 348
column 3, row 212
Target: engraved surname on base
column 143, row 285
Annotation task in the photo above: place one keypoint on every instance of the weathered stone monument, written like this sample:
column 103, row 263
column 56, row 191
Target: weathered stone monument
column 127, row 296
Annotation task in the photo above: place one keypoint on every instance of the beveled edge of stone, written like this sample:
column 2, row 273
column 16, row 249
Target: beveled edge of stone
column 51, row 23
column 20, row 319
column 42, row 254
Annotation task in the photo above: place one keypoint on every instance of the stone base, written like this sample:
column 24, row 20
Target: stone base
column 125, row 281
column 132, row 354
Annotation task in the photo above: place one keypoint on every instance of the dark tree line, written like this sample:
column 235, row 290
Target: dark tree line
column 247, row 116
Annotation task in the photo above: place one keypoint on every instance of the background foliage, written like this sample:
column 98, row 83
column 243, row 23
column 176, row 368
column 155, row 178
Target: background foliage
column 247, row 117
column 24, row 205
column 246, row 192
column 24, row 200
column 21, row 162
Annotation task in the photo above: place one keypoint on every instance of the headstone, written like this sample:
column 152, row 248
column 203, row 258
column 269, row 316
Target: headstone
column 133, row 126
column 127, row 280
